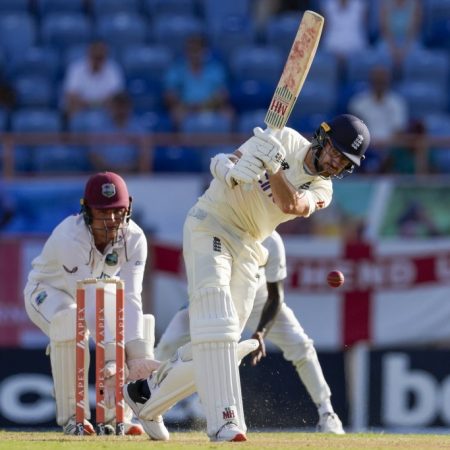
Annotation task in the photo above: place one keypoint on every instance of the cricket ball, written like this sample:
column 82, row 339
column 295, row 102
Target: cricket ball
column 335, row 279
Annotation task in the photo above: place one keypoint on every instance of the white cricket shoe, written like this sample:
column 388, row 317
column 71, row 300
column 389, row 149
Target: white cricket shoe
column 229, row 433
column 71, row 427
column 132, row 393
column 330, row 423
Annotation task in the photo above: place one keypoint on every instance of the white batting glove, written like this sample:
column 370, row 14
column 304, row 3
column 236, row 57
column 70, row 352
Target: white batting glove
column 141, row 368
column 268, row 149
column 246, row 171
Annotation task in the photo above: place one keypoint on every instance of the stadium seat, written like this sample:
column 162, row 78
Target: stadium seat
column 36, row 120
column 34, row 91
column 37, row 61
column 45, row 7
column 60, row 159
column 281, row 30
column 423, row 98
column 177, row 159
column 214, row 10
column 427, row 65
column 437, row 125
column 17, row 34
column 173, row 30
column 324, row 69
column 8, row 6
column 90, row 121
column 251, row 119
column 147, row 62
column 248, row 95
column 308, row 124
column 122, row 30
column 239, row 31
column 257, row 62
column 102, row 7
column 359, row 65
column 437, row 24
column 3, row 120
column 62, row 30
column 206, row 122
column 183, row 7
column 145, row 94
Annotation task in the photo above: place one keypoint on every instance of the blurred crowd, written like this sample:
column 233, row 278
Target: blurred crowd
column 184, row 66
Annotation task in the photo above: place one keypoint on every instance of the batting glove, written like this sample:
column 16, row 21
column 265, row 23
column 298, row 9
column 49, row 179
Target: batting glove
column 268, row 149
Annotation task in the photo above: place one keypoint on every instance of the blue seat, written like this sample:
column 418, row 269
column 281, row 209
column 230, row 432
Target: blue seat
column 177, row 159
column 214, row 10
column 7, row 6
column 173, row 30
column 145, row 94
column 423, row 98
column 257, row 62
column 102, row 7
column 437, row 125
column 324, row 69
column 184, row 7
column 147, row 62
column 32, row 121
column 206, row 122
column 427, row 65
column 307, row 125
column 36, row 120
column 247, row 95
column 359, row 65
column 17, row 33
column 281, row 30
column 3, row 119
column 251, row 119
column 34, row 91
column 37, row 61
column 90, row 121
column 122, row 29
column 62, row 30
column 60, row 159
column 59, row 6
column 315, row 98
column 437, row 24
column 231, row 32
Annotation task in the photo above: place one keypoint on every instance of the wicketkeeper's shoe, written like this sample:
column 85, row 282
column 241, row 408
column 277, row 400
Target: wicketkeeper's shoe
column 70, row 427
column 136, row 394
column 330, row 423
column 229, row 433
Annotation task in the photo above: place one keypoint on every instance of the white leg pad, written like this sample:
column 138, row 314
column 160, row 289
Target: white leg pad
column 62, row 358
column 215, row 333
column 174, row 380
column 310, row 372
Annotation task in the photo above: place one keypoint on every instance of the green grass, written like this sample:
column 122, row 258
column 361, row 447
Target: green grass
column 198, row 441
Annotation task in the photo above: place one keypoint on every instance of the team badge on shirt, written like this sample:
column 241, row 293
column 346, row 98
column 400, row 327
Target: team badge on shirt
column 112, row 259
column 40, row 298
column 108, row 190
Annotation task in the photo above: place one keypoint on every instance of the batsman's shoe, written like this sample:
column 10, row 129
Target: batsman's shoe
column 71, row 427
column 229, row 433
column 136, row 394
column 330, row 423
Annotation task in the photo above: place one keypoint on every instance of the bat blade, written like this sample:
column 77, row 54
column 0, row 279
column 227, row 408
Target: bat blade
column 295, row 70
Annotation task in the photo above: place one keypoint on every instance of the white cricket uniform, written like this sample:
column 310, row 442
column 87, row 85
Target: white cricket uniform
column 70, row 255
column 222, row 251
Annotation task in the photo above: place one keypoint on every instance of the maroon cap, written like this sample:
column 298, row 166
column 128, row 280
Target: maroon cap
column 106, row 190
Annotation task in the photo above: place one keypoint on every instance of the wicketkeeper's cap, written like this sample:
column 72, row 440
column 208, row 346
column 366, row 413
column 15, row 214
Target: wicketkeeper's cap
column 106, row 190
column 349, row 135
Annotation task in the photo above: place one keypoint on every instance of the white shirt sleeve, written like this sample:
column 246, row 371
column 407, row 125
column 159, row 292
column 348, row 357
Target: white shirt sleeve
column 275, row 268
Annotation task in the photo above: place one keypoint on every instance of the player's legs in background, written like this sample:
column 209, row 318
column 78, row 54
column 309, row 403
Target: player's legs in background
column 297, row 347
column 175, row 335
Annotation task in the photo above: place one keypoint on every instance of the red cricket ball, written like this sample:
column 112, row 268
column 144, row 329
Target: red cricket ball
column 335, row 279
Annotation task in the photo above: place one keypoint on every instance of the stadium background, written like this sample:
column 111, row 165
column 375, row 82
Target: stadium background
column 382, row 339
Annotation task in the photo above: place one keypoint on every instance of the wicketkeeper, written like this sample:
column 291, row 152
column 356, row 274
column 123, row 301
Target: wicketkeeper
column 100, row 242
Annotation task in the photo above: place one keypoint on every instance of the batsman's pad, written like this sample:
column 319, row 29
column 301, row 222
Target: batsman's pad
column 174, row 380
column 62, row 359
column 215, row 332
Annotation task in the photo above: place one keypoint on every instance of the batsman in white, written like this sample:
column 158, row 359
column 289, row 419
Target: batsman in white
column 271, row 318
column 289, row 177
column 100, row 242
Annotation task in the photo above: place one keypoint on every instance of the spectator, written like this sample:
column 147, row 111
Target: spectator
column 400, row 24
column 384, row 111
column 7, row 94
column 92, row 81
column 415, row 221
column 346, row 27
column 122, row 156
column 196, row 83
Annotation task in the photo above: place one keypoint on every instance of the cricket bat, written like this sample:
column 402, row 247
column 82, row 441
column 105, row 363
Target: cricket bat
column 295, row 70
